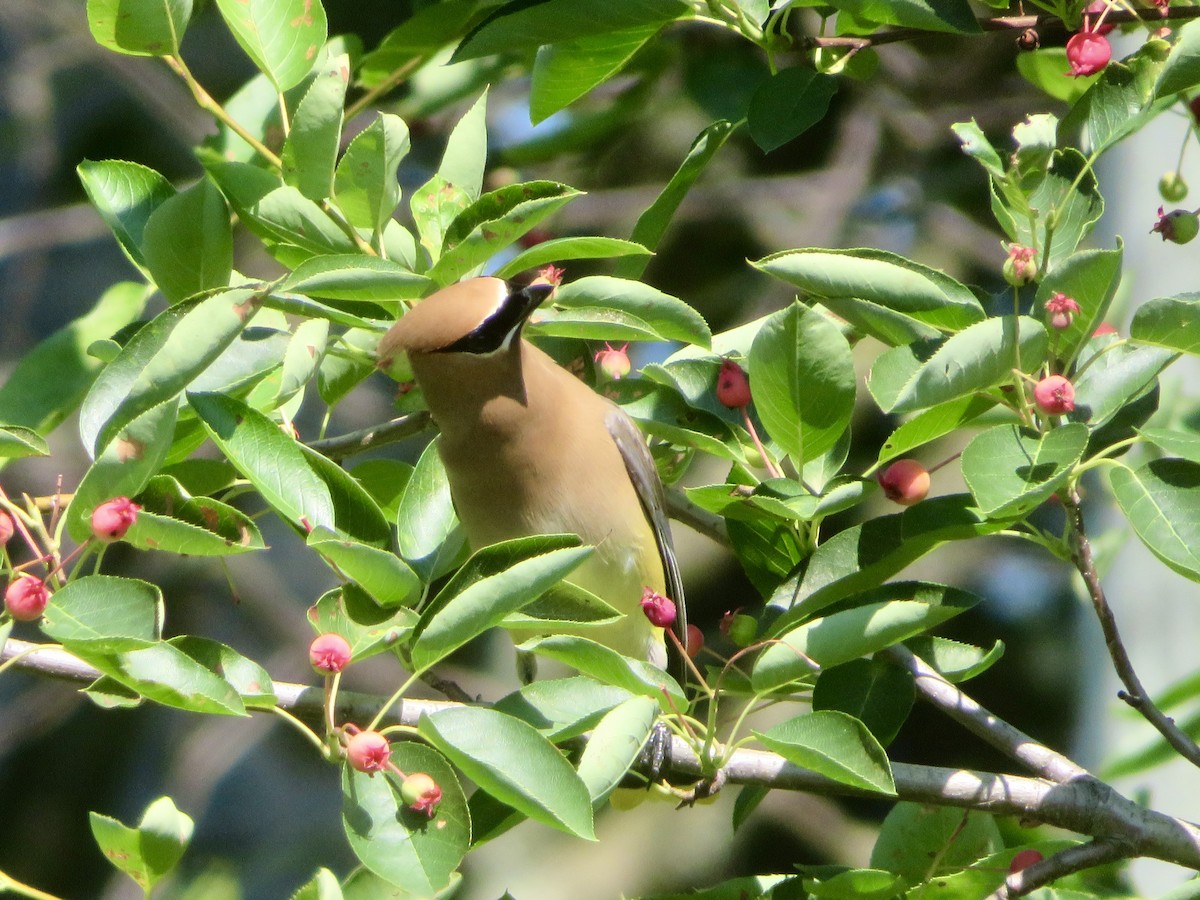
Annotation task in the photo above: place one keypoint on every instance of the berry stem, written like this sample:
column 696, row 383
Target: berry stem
column 768, row 462
column 304, row 729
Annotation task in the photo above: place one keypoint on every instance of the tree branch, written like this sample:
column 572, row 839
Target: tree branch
column 1083, row 805
column 1065, row 862
column 364, row 439
column 1134, row 694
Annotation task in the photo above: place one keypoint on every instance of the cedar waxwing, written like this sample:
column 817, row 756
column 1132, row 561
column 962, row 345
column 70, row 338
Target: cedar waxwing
column 530, row 449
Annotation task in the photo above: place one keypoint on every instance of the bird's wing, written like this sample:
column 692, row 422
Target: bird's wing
column 644, row 475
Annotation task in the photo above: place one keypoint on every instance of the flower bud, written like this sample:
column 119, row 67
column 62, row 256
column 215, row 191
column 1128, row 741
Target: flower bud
column 421, row 793
column 1020, row 267
column 733, row 387
column 26, row 598
column 1062, row 309
column 695, row 641
column 659, row 610
column 1087, row 53
column 368, row 751
column 329, row 653
column 1054, row 395
column 113, row 518
column 1178, row 226
column 1172, row 187
column 6, row 528
column 905, row 481
column 613, row 362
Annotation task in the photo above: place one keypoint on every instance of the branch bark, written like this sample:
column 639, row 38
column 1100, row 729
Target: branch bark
column 1081, row 804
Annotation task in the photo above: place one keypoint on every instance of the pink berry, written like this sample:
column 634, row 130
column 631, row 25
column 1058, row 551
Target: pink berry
column 733, row 387
column 368, row 751
column 26, row 598
column 905, row 481
column 421, row 793
column 1062, row 310
column 659, row 610
column 1054, row 395
column 613, row 362
column 329, row 653
column 1024, row 860
column 1088, row 53
column 695, row 641
column 112, row 519
column 6, row 528
column 1104, row 328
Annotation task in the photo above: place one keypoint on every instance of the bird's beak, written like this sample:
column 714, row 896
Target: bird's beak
column 525, row 300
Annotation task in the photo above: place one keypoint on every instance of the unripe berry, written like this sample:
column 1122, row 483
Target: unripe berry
column 329, row 653
column 695, row 641
column 739, row 627
column 1024, row 860
column 26, row 598
column 1172, row 187
column 113, row 518
column 6, row 528
column 368, row 751
column 1020, row 268
column 659, row 610
column 1061, row 309
column 421, row 793
column 1054, row 395
column 613, row 362
column 905, row 481
column 1088, row 53
column 733, row 387
column 1178, row 226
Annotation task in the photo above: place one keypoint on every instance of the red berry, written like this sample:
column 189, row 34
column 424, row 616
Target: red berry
column 1104, row 328
column 1062, row 310
column 905, row 481
column 329, row 653
column 1054, row 395
column 1024, row 860
column 733, row 387
column 613, row 362
column 533, row 237
column 695, row 641
column 113, row 518
column 26, row 598
column 6, row 528
column 421, row 793
column 368, row 751
column 659, row 610
column 1088, row 53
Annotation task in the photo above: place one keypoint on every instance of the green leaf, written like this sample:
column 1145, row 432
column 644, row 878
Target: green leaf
column 599, row 306
column 150, row 851
column 934, row 423
column 352, row 276
column 977, row 146
column 311, row 148
column 165, row 674
column 957, row 662
column 493, row 222
column 513, row 763
column 652, row 224
column 615, row 745
column 384, row 480
column 525, row 24
column 1045, row 69
column 323, row 885
column 856, row 884
column 802, row 380
column 173, row 521
column 52, row 379
column 568, row 248
column 288, row 217
column 1175, row 443
column 928, row 15
column 610, row 667
column 1122, row 100
column 305, row 350
column 161, row 360
column 367, row 626
column 564, row 707
column 1012, row 470
column 864, row 629
column 835, row 745
column 1170, row 322
column 1091, row 278
column 17, row 441
column 188, row 242
column 125, row 194
column 381, row 574
column 842, row 279
column 139, row 27
column 565, row 71
column 914, row 834
column 465, row 157
column 875, row 693
column 1161, row 499
column 425, row 32
column 365, row 184
column 495, row 582
column 1181, row 71
column 1069, row 188
column 427, row 521
column 927, row 373
column 1116, row 378
column 416, row 854
column 245, row 676
column 105, row 614
column 788, row 104
column 434, row 206
column 281, row 37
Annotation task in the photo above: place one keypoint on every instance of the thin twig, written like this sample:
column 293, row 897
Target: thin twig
column 1065, row 862
column 680, row 508
column 364, row 439
column 1134, row 694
